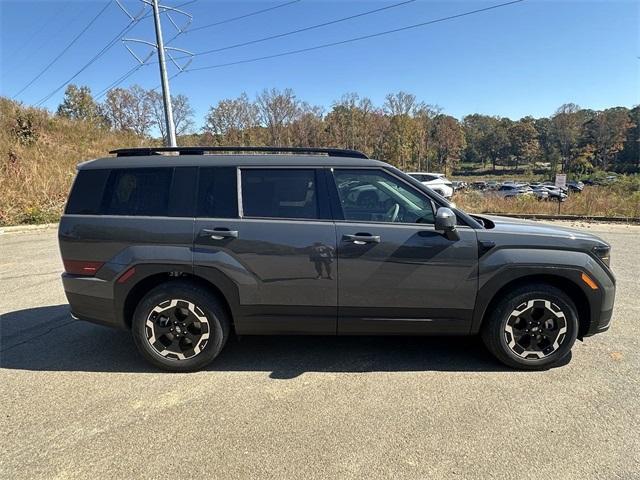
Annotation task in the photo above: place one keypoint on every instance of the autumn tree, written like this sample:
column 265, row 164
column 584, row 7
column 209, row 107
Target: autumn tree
column 277, row 110
column 78, row 104
column 232, row 121
column 523, row 137
column 448, row 138
column 607, row 133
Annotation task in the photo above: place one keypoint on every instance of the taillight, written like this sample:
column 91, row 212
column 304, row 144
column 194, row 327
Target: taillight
column 81, row 267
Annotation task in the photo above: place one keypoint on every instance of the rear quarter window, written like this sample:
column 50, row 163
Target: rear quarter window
column 87, row 192
column 143, row 192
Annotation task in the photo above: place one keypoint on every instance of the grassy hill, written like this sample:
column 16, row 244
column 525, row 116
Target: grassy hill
column 38, row 156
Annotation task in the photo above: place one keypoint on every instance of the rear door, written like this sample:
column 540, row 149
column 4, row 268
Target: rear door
column 396, row 274
column 276, row 243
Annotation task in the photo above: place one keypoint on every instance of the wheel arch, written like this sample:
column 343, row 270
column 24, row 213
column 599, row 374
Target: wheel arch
column 149, row 282
column 562, row 282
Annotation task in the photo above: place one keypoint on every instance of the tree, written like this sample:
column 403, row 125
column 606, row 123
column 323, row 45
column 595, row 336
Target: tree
column 231, row 121
column 566, row 128
column 277, row 110
column 182, row 113
column 140, row 110
column 78, row 104
column 401, row 103
column 607, row 132
column 523, row 137
column 129, row 110
column 116, row 110
column 448, row 138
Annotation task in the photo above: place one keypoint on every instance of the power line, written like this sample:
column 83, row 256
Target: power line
column 356, row 39
column 305, row 29
column 65, row 49
column 135, row 69
column 36, row 33
column 104, row 50
column 240, row 17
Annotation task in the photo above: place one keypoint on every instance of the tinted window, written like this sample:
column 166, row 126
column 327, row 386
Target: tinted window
column 182, row 193
column 143, row 191
column 279, row 193
column 217, row 193
column 375, row 196
column 86, row 195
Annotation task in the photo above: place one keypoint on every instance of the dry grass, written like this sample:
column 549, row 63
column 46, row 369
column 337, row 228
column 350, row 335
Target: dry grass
column 39, row 153
column 592, row 201
column 38, row 156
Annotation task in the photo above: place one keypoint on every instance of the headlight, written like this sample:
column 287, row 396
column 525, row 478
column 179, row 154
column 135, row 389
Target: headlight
column 603, row 252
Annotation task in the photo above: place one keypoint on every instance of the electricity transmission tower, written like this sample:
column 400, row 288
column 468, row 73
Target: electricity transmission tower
column 162, row 52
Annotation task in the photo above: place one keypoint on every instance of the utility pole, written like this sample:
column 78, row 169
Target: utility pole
column 163, row 52
column 166, row 94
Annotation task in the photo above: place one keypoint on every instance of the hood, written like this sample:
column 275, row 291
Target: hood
column 545, row 233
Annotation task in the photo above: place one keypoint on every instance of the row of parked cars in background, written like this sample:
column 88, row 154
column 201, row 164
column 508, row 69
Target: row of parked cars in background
column 509, row 189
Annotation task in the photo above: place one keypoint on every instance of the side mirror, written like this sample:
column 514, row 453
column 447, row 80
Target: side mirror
column 446, row 223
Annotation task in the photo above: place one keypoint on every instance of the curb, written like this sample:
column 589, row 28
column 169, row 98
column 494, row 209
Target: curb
column 27, row 228
column 588, row 218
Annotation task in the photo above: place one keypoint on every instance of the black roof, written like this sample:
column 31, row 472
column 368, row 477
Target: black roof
column 243, row 156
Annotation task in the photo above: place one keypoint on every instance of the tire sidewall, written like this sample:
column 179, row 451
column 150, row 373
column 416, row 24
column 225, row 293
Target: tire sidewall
column 203, row 301
column 563, row 350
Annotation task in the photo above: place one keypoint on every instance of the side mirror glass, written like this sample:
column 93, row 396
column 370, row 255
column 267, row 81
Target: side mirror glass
column 446, row 223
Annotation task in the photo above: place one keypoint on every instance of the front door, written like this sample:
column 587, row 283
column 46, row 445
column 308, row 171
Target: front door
column 396, row 274
column 278, row 248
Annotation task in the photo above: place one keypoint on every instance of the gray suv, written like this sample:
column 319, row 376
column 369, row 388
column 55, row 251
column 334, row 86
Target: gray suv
column 185, row 245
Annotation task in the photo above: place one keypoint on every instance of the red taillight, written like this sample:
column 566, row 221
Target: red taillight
column 81, row 267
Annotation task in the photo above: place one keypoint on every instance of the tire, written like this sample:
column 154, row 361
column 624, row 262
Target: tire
column 180, row 327
column 532, row 328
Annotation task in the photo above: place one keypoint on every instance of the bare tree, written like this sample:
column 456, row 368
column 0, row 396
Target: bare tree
column 182, row 113
column 232, row 120
column 129, row 109
column 278, row 109
column 401, row 103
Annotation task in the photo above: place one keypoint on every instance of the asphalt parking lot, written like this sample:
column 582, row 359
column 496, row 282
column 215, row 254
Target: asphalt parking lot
column 79, row 402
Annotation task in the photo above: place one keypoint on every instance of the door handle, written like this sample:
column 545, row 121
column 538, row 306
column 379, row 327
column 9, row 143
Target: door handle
column 218, row 233
column 362, row 238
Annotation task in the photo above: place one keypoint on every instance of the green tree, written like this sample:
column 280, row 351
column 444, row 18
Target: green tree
column 78, row 104
column 524, row 141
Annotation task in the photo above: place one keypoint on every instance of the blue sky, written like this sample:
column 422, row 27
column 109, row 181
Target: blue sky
column 522, row 59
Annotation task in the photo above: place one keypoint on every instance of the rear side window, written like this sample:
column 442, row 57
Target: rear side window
column 279, row 193
column 217, row 192
column 143, row 191
column 87, row 191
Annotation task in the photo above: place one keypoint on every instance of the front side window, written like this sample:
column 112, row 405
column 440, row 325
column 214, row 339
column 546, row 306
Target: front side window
column 279, row 193
column 376, row 196
column 217, row 194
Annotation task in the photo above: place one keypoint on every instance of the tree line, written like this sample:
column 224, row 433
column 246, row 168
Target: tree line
column 404, row 131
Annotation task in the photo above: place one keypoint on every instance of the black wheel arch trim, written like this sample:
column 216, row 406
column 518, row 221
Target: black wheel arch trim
column 147, row 276
column 566, row 278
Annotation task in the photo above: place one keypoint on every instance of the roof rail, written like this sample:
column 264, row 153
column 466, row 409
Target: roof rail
column 144, row 151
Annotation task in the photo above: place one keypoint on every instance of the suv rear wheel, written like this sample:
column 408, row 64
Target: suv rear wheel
column 180, row 327
column 532, row 327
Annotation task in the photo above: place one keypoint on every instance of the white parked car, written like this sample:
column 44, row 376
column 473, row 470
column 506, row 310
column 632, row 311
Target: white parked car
column 435, row 181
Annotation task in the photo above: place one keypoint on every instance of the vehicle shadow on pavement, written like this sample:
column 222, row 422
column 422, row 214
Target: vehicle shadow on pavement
column 47, row 339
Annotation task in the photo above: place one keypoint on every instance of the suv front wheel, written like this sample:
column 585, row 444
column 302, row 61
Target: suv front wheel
column 180, row 327
column 532, row 327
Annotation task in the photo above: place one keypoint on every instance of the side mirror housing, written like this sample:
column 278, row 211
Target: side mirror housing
column 446, row 223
